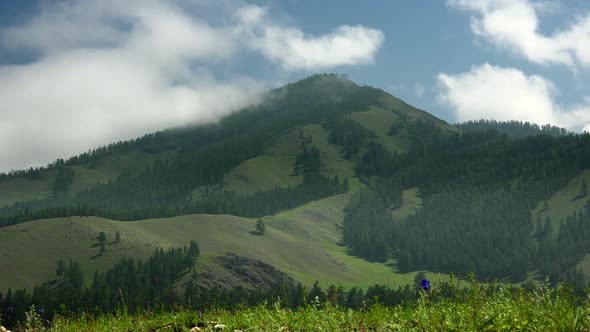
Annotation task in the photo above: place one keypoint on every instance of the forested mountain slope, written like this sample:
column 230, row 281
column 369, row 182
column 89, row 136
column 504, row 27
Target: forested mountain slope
column 378, row 189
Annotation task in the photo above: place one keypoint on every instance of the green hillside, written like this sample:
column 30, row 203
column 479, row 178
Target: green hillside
column 562, row 204
column 84, row 176
column 274, row 166
column 304, row 243
column 379, row 121
column 21, row 189
column 355, row 187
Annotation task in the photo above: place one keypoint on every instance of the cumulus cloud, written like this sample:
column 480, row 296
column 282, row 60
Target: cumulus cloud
column 491, row 92
column 514, row 25
column 292, row 49
column 111, row 70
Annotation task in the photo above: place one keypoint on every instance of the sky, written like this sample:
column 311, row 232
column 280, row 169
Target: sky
column 77, row 74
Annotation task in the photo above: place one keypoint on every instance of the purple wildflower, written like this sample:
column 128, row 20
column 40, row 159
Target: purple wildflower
column 41, row 311
column 425, row 285
column 200, row 314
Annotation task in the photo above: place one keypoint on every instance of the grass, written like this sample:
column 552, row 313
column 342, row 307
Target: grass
column 20, row 189
column 379, row 121
column 562, row 204
column 559, row 206
column 478, row 310
column 274, row 167
column 30, row 251
column 411, row 201
column 390, row 102
column 303, row 242
column 112, row 166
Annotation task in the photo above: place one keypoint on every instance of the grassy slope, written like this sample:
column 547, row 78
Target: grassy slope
column 411, row 201
column 274, row 167
column 318, row 225
column 379, row 121
column 562, row 204
column 110, row 167
column 19, row 189
column 390, row 102
column 302, row 242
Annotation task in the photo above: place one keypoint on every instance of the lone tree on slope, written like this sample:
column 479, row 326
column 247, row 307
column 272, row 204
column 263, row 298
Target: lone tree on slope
column 260, row 227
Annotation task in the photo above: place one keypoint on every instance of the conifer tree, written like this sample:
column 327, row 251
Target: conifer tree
column 583, row 189
column 260, row 227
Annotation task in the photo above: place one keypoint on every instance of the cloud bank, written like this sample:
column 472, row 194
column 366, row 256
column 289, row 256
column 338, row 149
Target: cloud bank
column 112, row 70
column 491, row 92
column 514, row 25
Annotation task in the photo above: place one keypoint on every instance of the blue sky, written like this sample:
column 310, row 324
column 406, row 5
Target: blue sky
column 76, row 74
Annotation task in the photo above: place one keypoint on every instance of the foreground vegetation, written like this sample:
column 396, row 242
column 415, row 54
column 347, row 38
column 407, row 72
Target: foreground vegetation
column 443, row 307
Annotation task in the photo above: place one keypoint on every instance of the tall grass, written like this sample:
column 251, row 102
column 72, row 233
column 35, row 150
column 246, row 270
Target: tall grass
column 483, row 307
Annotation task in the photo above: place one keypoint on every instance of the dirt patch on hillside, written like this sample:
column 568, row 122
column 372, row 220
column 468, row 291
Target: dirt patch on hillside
column 242, row 271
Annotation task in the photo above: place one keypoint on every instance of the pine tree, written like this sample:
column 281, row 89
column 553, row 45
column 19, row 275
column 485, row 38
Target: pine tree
column 260, row 227
column 102, row 237
column 583, row 189
column 547, row 229
column 61, row 268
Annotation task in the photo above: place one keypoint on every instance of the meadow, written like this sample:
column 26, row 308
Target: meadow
column 444, row 307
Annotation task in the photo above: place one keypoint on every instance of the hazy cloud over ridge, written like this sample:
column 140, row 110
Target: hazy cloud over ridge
column 111, row 70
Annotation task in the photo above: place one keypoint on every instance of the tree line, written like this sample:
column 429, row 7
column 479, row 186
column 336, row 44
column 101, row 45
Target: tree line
column 513, row 128
column 478, row 189
column 133, row 284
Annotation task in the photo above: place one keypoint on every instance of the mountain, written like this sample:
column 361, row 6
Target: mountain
column 355, row 187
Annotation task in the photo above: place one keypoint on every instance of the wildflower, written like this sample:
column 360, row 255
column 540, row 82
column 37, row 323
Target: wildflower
column 200, row 314
column 425, row 285
column 41, row 311
column 10, row 310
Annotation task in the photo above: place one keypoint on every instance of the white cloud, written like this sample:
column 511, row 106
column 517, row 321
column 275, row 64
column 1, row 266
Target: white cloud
column 67, row 104
column 111, row 70
column 514, row 25
column 490, row 92
column 292, row 49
